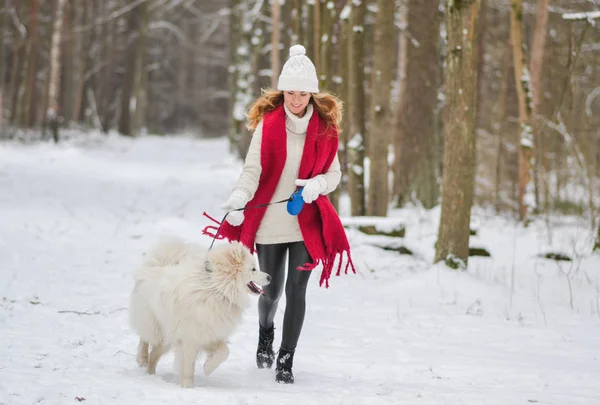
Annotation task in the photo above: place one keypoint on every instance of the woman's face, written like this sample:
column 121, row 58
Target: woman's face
column 296, row 101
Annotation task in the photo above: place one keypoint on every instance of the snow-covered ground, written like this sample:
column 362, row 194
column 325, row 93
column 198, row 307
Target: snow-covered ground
column 77, row 218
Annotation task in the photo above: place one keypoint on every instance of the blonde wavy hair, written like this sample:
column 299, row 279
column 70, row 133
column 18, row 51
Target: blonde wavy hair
column 328, row 106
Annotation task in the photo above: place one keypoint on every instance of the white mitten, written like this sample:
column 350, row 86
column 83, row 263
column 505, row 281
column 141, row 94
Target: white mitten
column 237, row 200
column 312, row 188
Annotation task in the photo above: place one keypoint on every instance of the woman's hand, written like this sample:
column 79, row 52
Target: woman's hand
column 312, row 188
column 237, row 200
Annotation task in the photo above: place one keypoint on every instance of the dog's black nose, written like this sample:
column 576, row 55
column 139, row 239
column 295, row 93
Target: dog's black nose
column 268, row 278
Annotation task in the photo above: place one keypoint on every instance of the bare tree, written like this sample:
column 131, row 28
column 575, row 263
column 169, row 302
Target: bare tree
column 3, row 23
column 32, row 51
column 417, row 151
column 355, row 147
column 380, row 112
column 316, row 33
column 536, row 67
column 522, row 81
column 338, row 81
column 597, row 243
column 327, row 39
column 275, row 52
column 459, row 124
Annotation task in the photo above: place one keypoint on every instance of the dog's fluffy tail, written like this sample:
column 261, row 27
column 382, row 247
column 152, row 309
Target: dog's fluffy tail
column 170, row 250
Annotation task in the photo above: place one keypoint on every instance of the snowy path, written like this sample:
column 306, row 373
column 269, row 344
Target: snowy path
column 76, row 219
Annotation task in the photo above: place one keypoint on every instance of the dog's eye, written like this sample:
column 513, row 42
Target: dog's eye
column 253, row 268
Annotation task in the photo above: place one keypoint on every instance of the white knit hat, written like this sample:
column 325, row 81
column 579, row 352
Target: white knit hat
column 298, row 73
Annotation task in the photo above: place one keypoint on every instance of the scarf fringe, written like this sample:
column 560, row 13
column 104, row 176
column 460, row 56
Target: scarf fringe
column 328, row 264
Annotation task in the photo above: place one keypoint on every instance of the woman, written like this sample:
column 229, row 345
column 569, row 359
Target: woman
column 295, row 144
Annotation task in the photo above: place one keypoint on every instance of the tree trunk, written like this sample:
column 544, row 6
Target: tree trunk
column 287, row 24
column 523, row 86
column 235, row 37
column 32, row 51
column 339, row 81
column 297, row 17
column 275, row 52
column 41, row 117
column 597, row 243
column 480, row 63
column 19, row 58
column 140, row 75
column 125, row 127
column 326, row 40
column 246, row 65
column 399, row 178
column 82, row 42
column 381, row 114
column 356, row 131
column 317, row 32
column 537, row 64
column 130, row 80
column 499, row 124
column 104, row 84
column 69, row 65
column 418, row 162
column 257, row 40
column 311, row 32
column 459, row 150
column 3, row 24
column 54, row 80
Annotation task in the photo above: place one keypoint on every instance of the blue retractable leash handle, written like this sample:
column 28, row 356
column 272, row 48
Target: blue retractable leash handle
column 296, row 202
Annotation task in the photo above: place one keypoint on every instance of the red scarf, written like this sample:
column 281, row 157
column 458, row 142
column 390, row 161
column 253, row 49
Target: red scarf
column 322, row 230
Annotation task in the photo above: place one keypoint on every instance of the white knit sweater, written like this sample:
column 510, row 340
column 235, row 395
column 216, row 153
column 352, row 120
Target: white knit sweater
column 278, row 226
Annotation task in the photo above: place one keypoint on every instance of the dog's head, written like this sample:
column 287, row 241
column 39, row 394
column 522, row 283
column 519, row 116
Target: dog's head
column 235, row 270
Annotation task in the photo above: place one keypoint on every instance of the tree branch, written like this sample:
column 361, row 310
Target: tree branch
column 590, row 16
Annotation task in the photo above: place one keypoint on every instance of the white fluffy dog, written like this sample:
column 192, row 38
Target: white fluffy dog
column 191, row 300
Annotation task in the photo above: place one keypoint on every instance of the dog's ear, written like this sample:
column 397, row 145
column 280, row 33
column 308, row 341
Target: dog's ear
column 237, row 254
column 234, row 257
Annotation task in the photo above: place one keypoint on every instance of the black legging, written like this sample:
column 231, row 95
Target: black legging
column 271, row 259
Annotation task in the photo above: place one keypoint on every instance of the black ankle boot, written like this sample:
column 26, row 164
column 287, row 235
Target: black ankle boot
column 264, row 354
column 283, row 370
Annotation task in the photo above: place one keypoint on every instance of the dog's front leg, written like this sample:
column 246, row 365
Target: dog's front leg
column 142, row 354
column 186, row 360
column 155, row 354
column 218, row 352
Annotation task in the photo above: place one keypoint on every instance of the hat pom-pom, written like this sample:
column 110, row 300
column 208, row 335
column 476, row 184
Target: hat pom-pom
column 297, row 50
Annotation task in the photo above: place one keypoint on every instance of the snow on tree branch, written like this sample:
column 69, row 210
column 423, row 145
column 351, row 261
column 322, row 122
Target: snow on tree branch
column 589, row 16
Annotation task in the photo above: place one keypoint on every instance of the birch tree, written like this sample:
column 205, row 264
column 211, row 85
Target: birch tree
column 459, row 140
column 52, row 115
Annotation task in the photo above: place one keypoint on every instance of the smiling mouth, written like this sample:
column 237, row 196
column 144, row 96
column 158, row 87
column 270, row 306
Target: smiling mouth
column 255, row 288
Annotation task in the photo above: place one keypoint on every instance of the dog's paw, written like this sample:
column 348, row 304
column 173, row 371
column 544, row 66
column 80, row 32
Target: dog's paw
column 187, row 383
column 210, row 366
column 216, row 358
column 142, row 361
column 151, row 369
